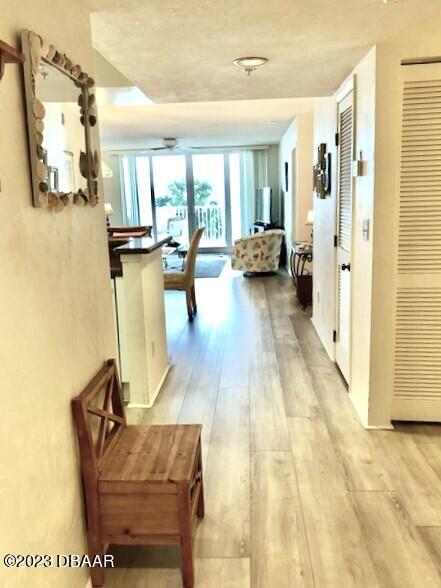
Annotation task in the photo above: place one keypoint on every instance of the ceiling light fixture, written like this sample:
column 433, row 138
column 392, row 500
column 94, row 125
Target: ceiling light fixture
column 250, row 64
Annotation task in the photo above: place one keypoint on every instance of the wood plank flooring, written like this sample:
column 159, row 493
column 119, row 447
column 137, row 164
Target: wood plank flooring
column 297, row 492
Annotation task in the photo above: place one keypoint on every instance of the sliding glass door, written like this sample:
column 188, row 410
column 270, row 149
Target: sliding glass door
column 177, row 193
column 143, row 182
column 170, row 196
column 210, row 199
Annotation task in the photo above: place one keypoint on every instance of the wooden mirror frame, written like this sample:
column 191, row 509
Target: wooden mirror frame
column 37, row 50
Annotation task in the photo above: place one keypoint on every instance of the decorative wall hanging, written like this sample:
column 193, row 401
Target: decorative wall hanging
column 61, row 109
column 322, row 172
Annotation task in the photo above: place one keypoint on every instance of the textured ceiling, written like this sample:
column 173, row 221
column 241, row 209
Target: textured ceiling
column 205, row 124
column 181, row 50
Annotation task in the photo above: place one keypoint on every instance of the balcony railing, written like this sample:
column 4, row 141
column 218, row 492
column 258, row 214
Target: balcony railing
column 173, row 219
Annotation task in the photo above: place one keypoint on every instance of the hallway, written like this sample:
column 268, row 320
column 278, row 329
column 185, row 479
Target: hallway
column 297, row 492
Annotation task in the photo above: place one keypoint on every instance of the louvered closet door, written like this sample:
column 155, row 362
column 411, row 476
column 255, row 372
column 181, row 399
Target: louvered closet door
column 417, row 387
column 344, row 203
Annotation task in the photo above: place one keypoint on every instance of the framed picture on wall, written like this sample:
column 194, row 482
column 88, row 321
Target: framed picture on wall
column 286, row 176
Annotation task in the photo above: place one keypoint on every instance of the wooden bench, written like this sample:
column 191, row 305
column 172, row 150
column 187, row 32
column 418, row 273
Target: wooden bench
column 143, row 484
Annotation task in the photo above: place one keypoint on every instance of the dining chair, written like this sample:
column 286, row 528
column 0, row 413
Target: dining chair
column 184, row 280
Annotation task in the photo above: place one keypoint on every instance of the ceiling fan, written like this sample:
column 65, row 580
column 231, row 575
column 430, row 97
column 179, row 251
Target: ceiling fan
column 172, row 144
column 169, row 144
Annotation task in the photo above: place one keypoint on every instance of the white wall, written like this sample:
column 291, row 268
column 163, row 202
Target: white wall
column 112, row 188
column 55, row 321
column 324, row 309
column 324, row 313
column 420, row 40
column 376, row 197
column 362, row 250
column 298, row 198
column 273, row 179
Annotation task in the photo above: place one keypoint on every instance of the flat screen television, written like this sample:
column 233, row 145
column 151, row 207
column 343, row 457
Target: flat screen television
column 264, row 204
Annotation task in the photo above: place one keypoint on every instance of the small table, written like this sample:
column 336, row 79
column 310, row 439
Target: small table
column 182, row 253
column 166, row 251
column 181, row 250
column 301, row 254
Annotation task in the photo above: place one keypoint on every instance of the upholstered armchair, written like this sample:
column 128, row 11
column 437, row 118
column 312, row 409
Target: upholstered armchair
column 259, row 252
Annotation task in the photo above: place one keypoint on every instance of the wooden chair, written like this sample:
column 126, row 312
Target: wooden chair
column 117, row 236
column 130, row 231
column 143, row 484
column 177, row 280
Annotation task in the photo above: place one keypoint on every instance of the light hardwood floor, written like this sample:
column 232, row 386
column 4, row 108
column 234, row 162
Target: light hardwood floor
column 297, row 492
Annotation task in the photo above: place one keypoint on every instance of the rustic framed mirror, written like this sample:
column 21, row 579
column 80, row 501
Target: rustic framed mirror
column 61, row 110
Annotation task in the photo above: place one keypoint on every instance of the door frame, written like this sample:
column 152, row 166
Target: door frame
column 348, row 87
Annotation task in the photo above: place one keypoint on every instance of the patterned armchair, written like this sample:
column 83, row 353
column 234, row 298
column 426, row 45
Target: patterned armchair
column 259, row 252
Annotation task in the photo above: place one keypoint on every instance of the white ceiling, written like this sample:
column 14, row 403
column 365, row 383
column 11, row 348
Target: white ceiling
column 204, row 124
column 181, row 50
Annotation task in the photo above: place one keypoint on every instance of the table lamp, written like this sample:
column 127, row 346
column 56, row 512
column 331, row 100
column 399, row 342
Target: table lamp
column 310, row 221
column 109, row 211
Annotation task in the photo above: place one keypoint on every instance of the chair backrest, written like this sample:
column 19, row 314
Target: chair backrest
column 99, row 418
column 129, row 231
column 190, row 261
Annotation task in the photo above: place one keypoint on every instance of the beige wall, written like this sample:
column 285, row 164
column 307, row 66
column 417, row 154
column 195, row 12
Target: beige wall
column 55, row 321
column 298, row 198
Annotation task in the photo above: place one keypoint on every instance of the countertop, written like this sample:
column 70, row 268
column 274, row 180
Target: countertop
column 143, row 245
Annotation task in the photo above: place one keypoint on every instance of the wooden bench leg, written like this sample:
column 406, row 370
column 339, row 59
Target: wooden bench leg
column 97, row 576
column 94, row 533
column 96, row 573
column 200, row 509
column 185, row 526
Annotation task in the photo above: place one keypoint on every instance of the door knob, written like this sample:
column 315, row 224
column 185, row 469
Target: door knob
column 345, row 266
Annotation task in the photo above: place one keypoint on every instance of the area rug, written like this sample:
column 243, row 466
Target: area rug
column 210, row 265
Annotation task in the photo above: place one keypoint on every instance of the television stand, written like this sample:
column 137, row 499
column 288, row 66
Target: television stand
column 259, row 226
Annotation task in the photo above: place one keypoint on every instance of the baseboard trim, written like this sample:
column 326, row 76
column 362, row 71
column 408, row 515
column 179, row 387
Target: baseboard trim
column 363, row 417
column 330, row 355
column 155, row 395
column 389, row 427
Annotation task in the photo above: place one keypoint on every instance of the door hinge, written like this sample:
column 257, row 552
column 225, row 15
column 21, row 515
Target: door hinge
column 334, row 336
column 337, row 139
column 335, row 241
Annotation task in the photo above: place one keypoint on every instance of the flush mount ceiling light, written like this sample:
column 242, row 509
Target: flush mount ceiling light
column 250, row 64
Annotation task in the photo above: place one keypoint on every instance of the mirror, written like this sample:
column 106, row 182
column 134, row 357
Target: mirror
column 63, row 137
column 61, row 110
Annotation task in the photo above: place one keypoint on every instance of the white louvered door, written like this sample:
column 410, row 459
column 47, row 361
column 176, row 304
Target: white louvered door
column 344, row 233
column 417, row 377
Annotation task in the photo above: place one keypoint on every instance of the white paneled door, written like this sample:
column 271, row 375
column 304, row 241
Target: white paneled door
column 344, row 232
column 417, row 388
